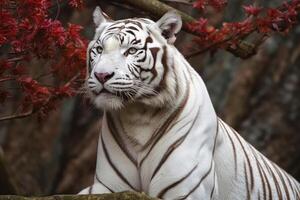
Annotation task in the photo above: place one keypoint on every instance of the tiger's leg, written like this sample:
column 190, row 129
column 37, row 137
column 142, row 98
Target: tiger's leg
column 96, row 188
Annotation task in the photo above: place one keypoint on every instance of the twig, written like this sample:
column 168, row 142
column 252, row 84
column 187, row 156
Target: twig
column 6, row 79
column 15, row 59
column 17, row 116
column 58, row 10
column 184, row 2
column 212, row 46
column 32, row 111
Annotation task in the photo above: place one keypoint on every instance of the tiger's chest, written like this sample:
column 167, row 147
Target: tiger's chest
column 139, row 127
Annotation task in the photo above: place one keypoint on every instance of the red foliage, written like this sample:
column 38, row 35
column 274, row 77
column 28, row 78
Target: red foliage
column 252, row 10
column 28, row 33
column 76, row 3
column 217, row 4
column 263, row 21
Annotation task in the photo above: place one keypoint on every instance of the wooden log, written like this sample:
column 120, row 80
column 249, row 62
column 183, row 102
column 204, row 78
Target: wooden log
column 112, row 196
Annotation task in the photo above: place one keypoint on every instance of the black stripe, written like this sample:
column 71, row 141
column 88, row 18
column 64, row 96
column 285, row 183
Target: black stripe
column 283, row 183
column 131, row 32
column 247, row 158
column 121, row 38
column 212, row 191
column 176, row 82
column 91, row 189
column 142, row 59
column 133, row 28
column 162, row 85
column 113, row 166
column 290, row 184
column 261, row 176
column 274, row 178
column 165, row 190
column 136, row 69
column 113, row 27
column 117, row 138
column 258, row 195
column 268, row 183
column 148, row 40
column 135, row 41
column 233, row 147
column 170, row 150
column 199, row 183
column 166, row 126
column 98, row 179
column 246, row 182
column 140, row 51
column 137, row 23
column 210, row 169
column 297, row 190
column 89, row 61
column 131, row 69
column 154, row 52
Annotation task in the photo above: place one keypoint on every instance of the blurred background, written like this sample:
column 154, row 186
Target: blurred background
column 259, row 97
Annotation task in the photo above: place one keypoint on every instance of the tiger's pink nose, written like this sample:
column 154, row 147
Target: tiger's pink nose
column 103, row 77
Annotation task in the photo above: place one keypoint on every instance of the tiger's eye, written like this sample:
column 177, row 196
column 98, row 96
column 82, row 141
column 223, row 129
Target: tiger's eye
column 99, row 49
column 132, row 50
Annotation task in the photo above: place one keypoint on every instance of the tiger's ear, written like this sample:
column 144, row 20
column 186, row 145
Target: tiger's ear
column 170, row 24
column 100, row 17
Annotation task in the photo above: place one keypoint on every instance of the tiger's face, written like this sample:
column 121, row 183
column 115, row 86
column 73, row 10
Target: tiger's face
column 127, row 59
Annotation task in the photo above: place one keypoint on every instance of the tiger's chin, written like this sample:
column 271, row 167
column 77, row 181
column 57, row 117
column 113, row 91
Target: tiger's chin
column 108, row 102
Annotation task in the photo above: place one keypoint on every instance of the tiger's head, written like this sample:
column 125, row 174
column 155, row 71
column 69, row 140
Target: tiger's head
column 128, row 62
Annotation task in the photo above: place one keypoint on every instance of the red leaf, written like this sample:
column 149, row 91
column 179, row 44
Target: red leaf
column 200, row 4
column 252, row 10
column 76, row 3
column 217, row 4
column 43, row 90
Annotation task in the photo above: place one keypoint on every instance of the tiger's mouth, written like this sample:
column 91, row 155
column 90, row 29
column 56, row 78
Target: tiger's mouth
column 103, row 91
column 106, row 93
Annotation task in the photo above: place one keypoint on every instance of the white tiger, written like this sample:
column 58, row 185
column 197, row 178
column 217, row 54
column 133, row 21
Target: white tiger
column 160, row 134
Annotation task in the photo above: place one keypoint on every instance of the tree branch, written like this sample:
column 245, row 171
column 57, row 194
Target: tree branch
column 158, row 9
column 32, row 110
column 114, row 196
column 6, row 79
column 16, row 116
column 242, row 49
column 184, row 2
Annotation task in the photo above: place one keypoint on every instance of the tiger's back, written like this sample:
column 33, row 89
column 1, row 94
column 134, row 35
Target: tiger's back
column 251, row 171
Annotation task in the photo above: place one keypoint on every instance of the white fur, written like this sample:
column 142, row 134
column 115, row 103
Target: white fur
column 201, row 145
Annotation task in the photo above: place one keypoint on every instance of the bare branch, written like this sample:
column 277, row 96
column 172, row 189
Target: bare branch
column 17, row 116
column 184, row 2
column 6, row 79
